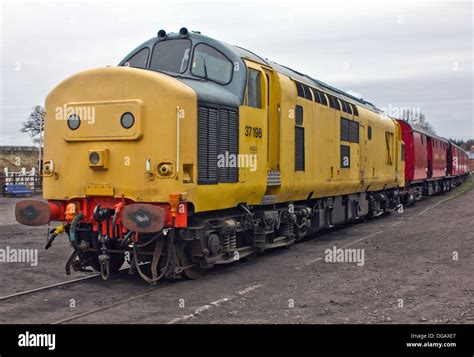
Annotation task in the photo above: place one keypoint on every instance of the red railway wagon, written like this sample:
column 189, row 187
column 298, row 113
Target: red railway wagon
column 432, row 164
column 437, row 156
column 459, row 161
column 416, row 153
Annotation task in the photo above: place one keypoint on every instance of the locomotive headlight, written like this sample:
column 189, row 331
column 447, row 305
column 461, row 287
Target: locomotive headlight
column 48, row 168
column 127, row 120
column 94, row 157
column 165, row 169
column 99, row 159
column 73, row 121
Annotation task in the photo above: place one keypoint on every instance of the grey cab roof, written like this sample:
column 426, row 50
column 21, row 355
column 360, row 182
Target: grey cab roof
column 233, row 93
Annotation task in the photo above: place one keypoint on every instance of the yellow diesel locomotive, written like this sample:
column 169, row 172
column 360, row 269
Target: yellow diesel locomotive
column 192, row 152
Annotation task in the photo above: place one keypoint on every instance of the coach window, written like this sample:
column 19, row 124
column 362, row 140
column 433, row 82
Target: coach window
column 354, row 110
column 403, row 152
column 331, row 101
column 323, row 98
column 348, row 108
column 300, row 89
column 316, row 97
column 139, row 59
column 253, row 89
column 354, row 132
column 344, row 106
column 369, row 133
column 307, row 92
column 345, row 130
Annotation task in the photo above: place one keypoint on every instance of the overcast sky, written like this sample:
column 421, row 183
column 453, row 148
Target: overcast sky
column 393, row 54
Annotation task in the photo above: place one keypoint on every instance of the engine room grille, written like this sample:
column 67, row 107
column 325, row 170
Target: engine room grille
column 299, row 148
column 218, row 134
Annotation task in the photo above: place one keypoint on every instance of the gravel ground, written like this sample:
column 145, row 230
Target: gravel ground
column 417, row 269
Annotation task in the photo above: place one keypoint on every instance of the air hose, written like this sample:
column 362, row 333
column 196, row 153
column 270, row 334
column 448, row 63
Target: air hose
column 142, row 275
column 57, row 231
column 114, row 224
column 171, row 252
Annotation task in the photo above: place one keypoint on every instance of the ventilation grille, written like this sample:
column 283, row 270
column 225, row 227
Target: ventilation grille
column 299, row 148
column 233, row 141
column 218, row 133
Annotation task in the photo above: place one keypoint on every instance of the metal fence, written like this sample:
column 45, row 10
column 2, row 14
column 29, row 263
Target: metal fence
column 33, row 182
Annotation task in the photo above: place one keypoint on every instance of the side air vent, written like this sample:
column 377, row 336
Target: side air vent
column 218, row 133
column 299, row 148
column 233, row 143
column 207, row 145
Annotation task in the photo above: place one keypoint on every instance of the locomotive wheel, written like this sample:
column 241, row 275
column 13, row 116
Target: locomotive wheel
column 186, row 259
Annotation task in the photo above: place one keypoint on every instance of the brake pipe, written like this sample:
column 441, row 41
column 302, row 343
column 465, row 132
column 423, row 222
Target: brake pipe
column 118, row 208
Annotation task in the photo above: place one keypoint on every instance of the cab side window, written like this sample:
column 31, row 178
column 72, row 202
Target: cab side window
column 253, row 89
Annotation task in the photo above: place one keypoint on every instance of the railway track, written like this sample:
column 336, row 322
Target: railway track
column 47, row 287
column 57, row 285
column 149, row 291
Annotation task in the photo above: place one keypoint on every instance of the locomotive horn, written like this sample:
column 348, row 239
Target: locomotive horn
column 32, row 213
column 143, row 218
column 183, row 32
column 162, row 34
